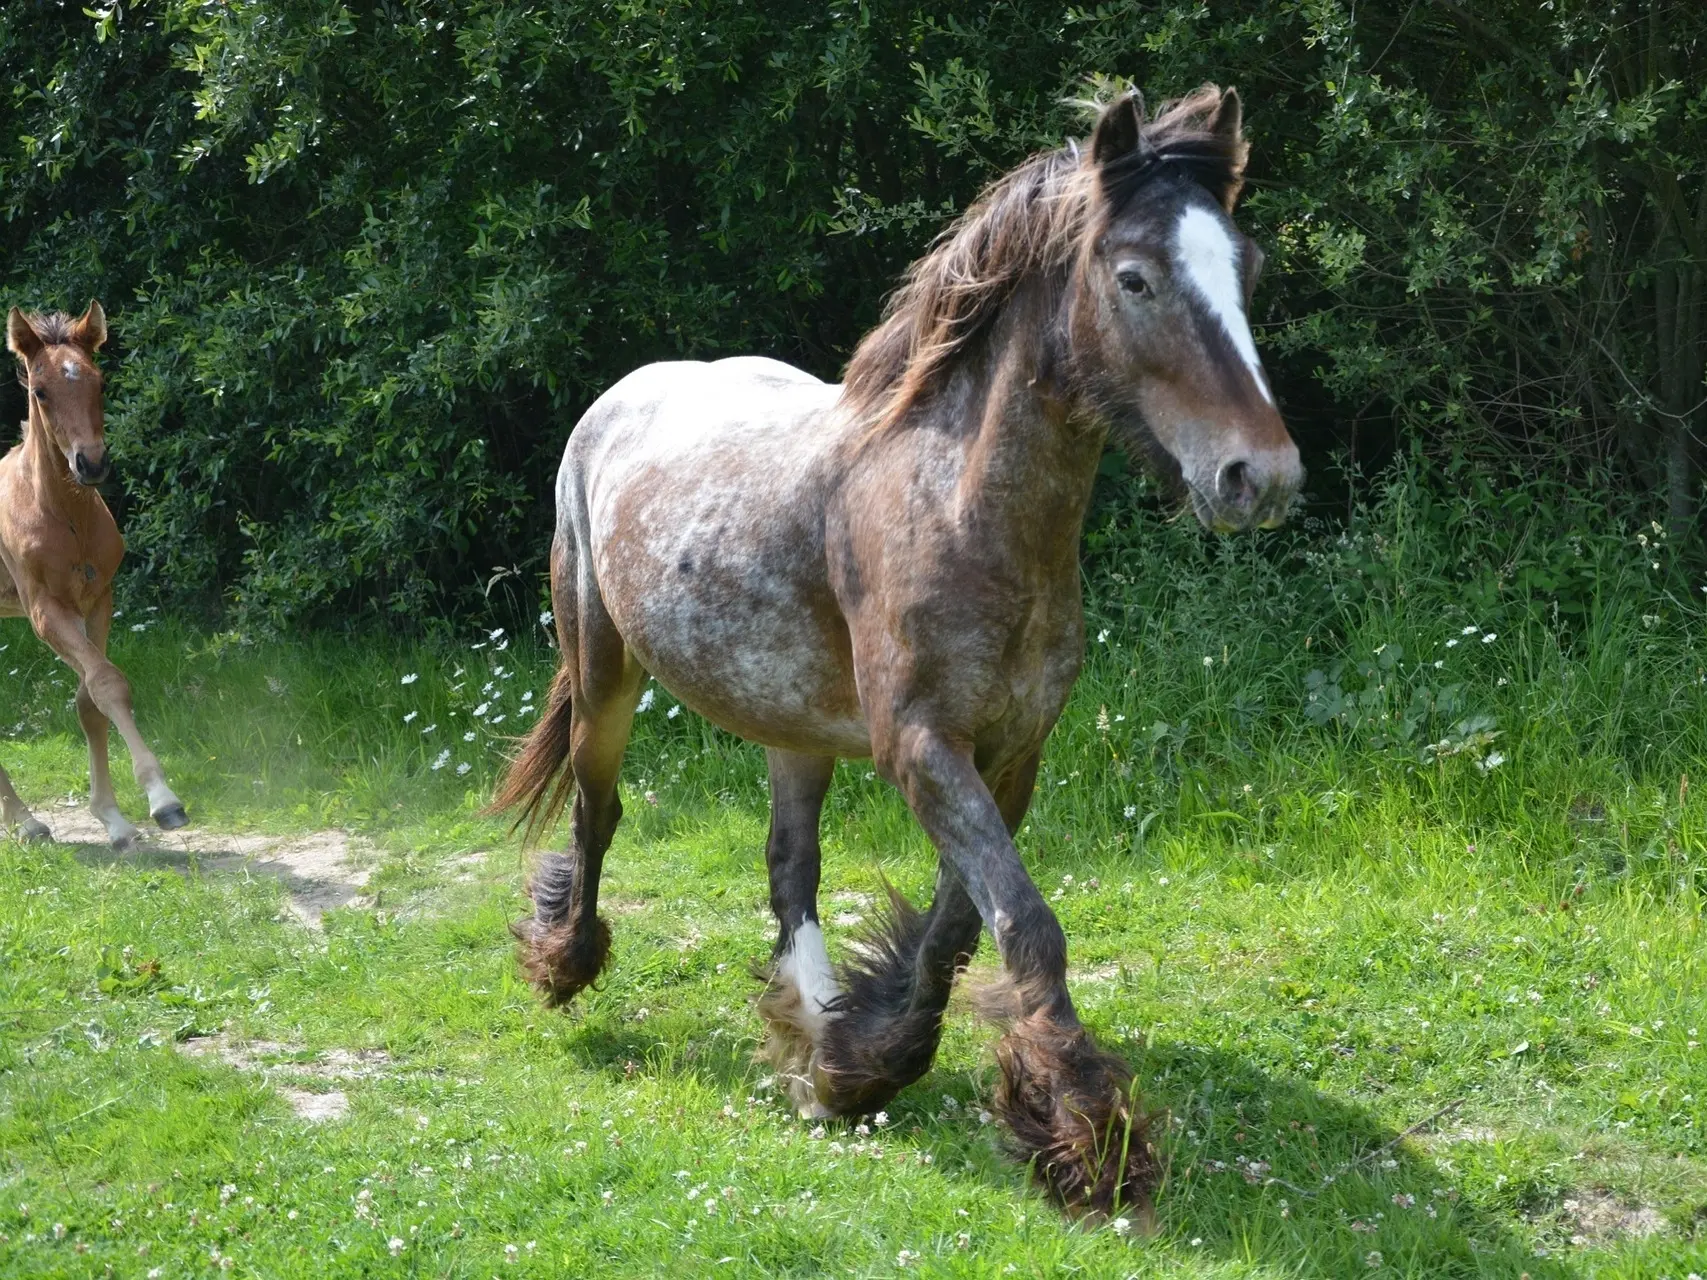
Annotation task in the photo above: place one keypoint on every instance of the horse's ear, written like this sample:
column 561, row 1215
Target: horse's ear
column 1118, row 128
column 89, row 330
column 1229, row 119
column 21, row 338
column 1227, row 124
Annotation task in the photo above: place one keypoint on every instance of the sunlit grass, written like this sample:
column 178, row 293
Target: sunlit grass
column 1309, row 933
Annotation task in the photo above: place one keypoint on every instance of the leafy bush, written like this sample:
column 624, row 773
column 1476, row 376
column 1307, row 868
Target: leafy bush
column 367, row 264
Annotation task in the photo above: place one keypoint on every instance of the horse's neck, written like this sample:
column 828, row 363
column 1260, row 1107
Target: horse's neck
column 1032, row 461
column 50, row 477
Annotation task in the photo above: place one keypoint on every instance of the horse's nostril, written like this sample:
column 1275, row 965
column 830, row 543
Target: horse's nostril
column 1233, row 484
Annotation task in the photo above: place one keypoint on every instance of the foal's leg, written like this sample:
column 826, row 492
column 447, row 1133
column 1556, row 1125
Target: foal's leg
column 103, row 694
column 800, row 991
column 1068, row 1104
column 565, row 943
column 17, row 815
column 891, row 1018
column 102, row 802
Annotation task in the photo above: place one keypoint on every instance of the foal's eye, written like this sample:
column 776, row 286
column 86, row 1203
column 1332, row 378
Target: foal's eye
column 1132, row 281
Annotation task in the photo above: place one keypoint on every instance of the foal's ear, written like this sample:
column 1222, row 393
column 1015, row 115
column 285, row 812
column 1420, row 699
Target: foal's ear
column 89, row 330
column 21, row 339
column 1118, row 128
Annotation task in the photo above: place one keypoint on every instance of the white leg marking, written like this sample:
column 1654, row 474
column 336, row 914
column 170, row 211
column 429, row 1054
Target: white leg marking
column 806, row 964
column 120, row 830
column 160, row 796
column 1208, row 258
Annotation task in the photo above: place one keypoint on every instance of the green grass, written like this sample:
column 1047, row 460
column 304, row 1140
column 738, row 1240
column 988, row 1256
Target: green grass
column 1469, row 990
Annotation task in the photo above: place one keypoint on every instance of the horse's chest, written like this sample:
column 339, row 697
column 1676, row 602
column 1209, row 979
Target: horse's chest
column 1040, row 665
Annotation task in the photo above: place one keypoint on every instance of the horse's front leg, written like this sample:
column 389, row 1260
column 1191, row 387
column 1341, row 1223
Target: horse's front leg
column 1070, row 1106
column 900, row 979
column 103, row 696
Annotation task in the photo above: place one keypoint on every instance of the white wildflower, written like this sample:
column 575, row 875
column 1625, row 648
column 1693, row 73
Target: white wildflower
column 410, row 678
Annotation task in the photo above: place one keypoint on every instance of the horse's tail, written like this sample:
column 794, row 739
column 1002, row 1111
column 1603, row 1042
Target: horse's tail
column 539, row 781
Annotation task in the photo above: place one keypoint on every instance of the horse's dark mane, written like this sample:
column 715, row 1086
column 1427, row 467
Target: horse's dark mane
column 1031, row 219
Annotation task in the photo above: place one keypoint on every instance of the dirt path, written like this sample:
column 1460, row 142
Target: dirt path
column 321, row 870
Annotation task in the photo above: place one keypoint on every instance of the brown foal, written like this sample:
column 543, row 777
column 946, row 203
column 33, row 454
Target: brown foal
column 61, row 549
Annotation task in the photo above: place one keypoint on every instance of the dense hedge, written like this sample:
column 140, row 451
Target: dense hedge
column 366, row 263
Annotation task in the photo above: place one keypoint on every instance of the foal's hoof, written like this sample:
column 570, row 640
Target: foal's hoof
column 31, row 829
column 171, row 817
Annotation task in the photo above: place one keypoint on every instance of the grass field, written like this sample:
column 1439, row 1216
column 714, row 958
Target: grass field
column 1392, row 894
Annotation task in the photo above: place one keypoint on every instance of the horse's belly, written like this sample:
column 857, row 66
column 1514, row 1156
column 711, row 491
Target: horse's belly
column 705, row 517
column 769, row 670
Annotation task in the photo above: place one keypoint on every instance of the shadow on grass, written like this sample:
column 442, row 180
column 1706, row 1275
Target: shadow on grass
column 1275, row 1171
column 1260, row 1169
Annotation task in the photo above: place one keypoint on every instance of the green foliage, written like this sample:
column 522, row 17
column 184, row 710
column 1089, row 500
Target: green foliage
column 367, row 264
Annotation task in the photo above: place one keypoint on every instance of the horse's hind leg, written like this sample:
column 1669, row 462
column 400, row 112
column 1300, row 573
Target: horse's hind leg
column 800, row 989
column 898, row 987
column 565, row 943
column 18, row 818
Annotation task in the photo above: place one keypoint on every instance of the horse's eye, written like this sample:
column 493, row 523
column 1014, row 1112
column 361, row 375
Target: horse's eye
column 1132, row 281
column 40, row 394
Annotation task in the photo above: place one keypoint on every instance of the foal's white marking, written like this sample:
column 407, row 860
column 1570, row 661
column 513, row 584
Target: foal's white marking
column 1210, row 261
column 807, row 965
column 160, row 796
column 71, row 371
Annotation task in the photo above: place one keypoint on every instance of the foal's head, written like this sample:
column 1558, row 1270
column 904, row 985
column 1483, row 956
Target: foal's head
column 1157, row 333
column 57, row 359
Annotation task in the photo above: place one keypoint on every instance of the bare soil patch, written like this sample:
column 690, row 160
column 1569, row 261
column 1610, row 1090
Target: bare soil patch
column 283, row 1068
column 321, row 871
column 1599, row 1216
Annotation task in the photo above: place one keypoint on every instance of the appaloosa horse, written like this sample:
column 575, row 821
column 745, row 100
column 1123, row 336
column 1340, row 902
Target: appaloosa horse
column 890, row 568
column 61, row 549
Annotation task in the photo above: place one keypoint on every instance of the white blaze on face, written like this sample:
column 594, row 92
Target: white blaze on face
column 71, row 371
column 1208, row 259
column 806, row 964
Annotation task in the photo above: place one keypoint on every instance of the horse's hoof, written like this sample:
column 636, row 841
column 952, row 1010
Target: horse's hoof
column 172, row 817
column 31, row 829
column 125, row 843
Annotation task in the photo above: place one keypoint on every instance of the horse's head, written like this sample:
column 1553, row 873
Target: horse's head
column 57, row 355
column 1157, row 327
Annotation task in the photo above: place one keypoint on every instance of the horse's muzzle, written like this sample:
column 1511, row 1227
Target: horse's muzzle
column 91, row 472
column 1252, row 491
